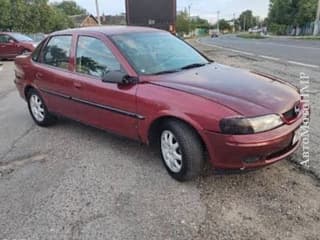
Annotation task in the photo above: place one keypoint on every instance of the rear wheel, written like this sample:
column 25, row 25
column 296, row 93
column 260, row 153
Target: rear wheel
column 181, row 150
column 38, row 109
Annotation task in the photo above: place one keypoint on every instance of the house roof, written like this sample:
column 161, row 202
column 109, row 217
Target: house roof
column 78, row 19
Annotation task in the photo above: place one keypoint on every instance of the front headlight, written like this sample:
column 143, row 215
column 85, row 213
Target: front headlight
column 243, row 125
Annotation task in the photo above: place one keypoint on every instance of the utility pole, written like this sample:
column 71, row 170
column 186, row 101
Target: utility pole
column 234, row 22
column 218, row 27
column 189, row 7
column 317, row 22
column 98, row 14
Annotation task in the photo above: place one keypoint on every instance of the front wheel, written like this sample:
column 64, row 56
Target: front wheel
column 38, row 109
column 25, row 52
column 181, row 150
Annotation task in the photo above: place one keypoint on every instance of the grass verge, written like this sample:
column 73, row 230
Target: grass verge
column 313, row 38
column 251, row 36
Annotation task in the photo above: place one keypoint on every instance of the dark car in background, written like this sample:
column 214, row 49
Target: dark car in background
column 150, row 86
column 14, row 44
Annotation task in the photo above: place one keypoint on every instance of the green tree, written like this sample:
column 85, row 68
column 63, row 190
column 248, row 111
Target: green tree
column 5, row 18
column 307, row 10
column 70, row 8
column 183, row 23
column 224, row 25
column 58, row 20
column 32, row 16
column 247, row 20
column 296, row 13
column 199, row 23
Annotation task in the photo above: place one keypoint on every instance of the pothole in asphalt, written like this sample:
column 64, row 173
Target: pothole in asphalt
column 9, row 167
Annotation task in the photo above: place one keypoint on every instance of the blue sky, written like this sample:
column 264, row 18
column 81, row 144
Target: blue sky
column 204, row 8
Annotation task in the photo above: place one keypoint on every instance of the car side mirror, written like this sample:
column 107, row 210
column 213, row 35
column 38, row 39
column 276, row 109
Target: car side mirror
column 12, row 41
column 118, row 77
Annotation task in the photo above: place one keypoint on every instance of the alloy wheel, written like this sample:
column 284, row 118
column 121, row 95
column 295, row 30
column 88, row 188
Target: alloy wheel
column 37, row 108
column 171, row 151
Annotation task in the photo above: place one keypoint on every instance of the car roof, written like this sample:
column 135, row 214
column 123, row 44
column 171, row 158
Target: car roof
column 13, row 33
column 9, row 33
column 109, row 30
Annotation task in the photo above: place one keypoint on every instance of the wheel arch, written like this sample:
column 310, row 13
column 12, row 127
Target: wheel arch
column 26, row 49
column 27, row 89
column 155, row 127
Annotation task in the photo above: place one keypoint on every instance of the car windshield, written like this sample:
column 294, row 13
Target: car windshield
column 21, row 37
column 158, row 53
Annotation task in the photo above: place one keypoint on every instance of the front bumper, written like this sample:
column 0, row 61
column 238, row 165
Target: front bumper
column 251, row 151
column 20, row 87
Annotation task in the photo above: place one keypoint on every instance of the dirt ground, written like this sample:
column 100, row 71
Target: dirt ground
column 279, row 202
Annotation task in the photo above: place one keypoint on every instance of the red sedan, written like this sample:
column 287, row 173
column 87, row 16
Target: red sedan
column 150, row 86
column 13, row 44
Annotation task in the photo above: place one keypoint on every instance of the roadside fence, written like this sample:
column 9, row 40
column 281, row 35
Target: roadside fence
column 305, row 30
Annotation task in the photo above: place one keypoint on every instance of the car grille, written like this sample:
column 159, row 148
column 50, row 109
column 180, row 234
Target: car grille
column 281, row 152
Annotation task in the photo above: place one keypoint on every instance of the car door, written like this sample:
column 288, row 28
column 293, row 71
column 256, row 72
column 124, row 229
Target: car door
column 105, row 105
column 52, row 75
column 8, row 46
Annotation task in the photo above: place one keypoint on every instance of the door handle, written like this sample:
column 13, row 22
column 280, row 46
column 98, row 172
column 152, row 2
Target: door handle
column 77, row 85
column 39, row 76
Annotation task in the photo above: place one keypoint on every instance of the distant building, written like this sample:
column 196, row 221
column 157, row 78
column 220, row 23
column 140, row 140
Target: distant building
column 84, row 20
column 113, row 19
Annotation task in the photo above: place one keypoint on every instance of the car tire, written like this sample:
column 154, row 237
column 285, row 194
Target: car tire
column 181, row 150
column 38, row 109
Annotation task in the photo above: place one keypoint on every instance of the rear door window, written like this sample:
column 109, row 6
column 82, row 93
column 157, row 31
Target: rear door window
column 57, row 51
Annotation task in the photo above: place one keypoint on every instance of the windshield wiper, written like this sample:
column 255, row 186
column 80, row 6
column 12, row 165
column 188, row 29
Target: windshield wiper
column 167, row 71
column 194, row 65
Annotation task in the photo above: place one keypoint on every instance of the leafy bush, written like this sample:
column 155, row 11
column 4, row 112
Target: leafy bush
column 278, row 29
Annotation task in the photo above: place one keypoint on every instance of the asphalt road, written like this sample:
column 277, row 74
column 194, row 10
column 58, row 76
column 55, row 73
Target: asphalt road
column 72, row 182
column 299, row 52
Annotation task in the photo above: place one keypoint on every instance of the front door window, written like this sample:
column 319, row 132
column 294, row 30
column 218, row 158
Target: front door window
column 94, row 58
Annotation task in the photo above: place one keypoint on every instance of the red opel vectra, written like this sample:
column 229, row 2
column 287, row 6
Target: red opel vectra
column 150, row 86
column 13, row 44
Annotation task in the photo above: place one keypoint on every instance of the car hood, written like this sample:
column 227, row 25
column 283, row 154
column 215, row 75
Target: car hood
column 244, row 92
column 28, row 45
